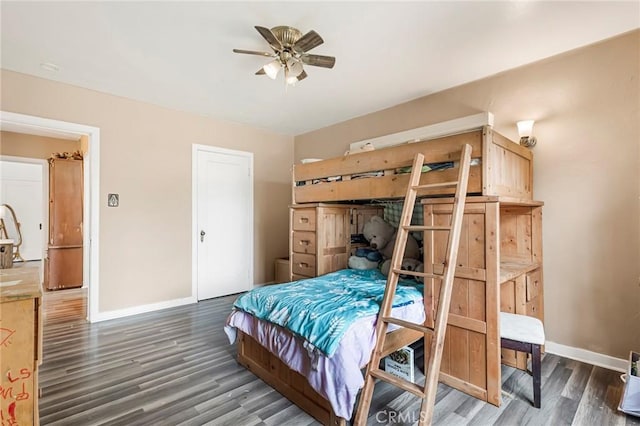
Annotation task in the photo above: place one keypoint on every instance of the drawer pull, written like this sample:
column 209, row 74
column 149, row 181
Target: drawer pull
column 303, row 265
column 305, row 242
column 304, row 219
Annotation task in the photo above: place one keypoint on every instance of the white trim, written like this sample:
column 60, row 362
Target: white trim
column 45, row 199
column 194, row 220
column 431, row 131
column 41, row 131
column 194, row 209
column 23, row 159
column 135, row 310
column 86, row 212
column 91, row 254
column 583, row 355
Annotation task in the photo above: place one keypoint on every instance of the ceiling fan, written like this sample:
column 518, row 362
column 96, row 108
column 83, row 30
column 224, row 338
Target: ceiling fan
column 290, row 49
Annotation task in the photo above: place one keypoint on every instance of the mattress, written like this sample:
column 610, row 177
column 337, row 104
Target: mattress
column 337, row 377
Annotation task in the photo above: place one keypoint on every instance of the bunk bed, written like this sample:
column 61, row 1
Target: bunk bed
column 333, row 318
column 326, row 200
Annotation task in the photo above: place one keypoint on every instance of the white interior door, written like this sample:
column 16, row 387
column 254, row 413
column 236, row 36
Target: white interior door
column 21, row 188
column 224, row 232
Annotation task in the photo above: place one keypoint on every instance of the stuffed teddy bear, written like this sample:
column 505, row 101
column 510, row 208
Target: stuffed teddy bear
column 407, row 265
column 382, row 237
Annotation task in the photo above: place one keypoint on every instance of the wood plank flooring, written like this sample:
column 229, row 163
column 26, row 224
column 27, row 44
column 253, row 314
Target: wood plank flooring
column 64, row 305
column 59, row 305
column 176, row 367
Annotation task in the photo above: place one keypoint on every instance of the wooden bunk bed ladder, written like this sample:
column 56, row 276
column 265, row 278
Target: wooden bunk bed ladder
column 433, row 336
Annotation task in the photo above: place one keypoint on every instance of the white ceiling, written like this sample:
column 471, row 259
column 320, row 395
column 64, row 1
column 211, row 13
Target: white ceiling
column 179, row 55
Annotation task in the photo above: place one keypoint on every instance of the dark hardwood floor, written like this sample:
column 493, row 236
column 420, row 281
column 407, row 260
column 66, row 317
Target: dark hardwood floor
column 176, row 367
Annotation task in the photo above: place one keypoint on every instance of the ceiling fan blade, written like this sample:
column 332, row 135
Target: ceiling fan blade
column 253, row 52
column 260, row 72
column 302, row 76
column 319, row 60
column 270, row 37
column 308, row 41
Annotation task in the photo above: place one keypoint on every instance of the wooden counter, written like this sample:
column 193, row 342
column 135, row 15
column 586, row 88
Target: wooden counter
column 20, row 345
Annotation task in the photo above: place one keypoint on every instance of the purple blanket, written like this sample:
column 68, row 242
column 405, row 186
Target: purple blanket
column 337, row 378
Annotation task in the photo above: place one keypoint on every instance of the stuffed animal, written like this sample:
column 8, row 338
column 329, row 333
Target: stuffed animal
column 382, row 237
column 365, row 258
column 356, row 262
column 407, row 265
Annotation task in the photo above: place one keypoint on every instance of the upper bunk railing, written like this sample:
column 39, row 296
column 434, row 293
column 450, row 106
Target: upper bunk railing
column 500, row 167
column 341, row 178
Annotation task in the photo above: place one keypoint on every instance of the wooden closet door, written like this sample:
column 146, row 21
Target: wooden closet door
column 65, row 202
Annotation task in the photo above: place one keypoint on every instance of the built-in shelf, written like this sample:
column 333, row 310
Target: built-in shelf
column 511, row 270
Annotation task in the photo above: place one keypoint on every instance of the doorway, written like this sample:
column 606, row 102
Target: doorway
column 31, row 125
column 22, row 183
column 223, row 221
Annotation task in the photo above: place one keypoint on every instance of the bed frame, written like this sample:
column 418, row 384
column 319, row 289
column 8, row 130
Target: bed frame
column 505, row 170
column 293, row 385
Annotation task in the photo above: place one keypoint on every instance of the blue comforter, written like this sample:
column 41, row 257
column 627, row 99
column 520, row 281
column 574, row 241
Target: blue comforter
column 322, row 309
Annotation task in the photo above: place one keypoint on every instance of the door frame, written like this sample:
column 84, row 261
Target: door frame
column 33, row 125
column 196, row 148
column 45, row 197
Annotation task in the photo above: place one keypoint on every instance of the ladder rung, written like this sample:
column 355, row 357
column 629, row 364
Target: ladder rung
column 407, row 324
column 418, row 274
column 436, row 185
column 426, row 228
column 397, row 381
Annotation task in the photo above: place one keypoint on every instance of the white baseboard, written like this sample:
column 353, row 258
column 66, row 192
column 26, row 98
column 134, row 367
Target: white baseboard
column 583, row 355
column 121, row 313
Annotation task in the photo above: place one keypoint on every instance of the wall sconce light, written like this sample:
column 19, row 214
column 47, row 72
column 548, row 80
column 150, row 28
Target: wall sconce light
column 525, row 130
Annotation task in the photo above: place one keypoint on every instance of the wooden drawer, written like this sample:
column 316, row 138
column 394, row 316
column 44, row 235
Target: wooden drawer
column 304, row 220
column 304, row 264
column 304, row 242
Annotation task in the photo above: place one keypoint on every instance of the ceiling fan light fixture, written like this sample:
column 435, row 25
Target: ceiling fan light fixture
column 272, row 69
column 291, row 80
column 290, row 50
column 295, row 67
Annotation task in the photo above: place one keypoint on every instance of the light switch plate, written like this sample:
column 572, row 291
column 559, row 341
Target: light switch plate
column 113, row 200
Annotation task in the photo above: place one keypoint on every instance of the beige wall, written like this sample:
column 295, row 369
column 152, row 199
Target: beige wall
column 145, row 156
column 586, row 104
column 30, row 146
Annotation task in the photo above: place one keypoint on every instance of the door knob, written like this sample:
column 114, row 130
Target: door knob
column 202, row 234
